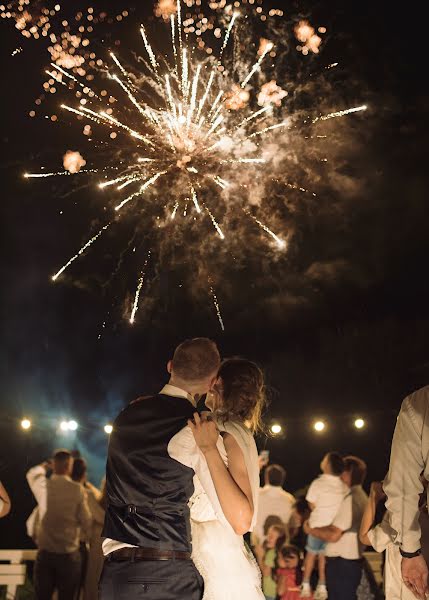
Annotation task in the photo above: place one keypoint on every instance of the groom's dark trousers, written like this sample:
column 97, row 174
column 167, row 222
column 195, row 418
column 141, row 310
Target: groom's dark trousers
column 151, row 580
column 147, row 506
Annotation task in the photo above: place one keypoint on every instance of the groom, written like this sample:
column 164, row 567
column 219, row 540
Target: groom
column 147, row 528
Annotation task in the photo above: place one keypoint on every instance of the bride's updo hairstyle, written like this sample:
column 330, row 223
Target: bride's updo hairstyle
column 243, row 393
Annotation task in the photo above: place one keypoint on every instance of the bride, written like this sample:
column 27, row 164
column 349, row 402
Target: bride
column 226, row 564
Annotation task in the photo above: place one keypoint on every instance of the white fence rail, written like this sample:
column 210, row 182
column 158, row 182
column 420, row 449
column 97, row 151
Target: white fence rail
column 12, row 569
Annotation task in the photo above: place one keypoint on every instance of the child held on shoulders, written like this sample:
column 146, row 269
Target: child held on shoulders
column 289, row 573
column 324, row 496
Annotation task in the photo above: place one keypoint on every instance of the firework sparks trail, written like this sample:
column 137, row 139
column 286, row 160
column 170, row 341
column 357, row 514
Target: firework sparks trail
column 143, row 188
column 222, row 183
column 58, row 173
column 217, row 306
column 270, row 128
column 228, row 35
column 340, row 113
column 195, row 199
column 118, row 64
column 104, row 184
column 186, row 134
column 179, row 27
column 72, row 77
column 254, row 115
column 138, row 290
column 257, row 65
column 281, row 243
column 127, row 183
column 250, row 161
column 173, row 41
column 131, row 96
column 81, row 251
column 149, row 50
column 206, row 94
column 173, row 214
column 41, row 175
column 215, row 223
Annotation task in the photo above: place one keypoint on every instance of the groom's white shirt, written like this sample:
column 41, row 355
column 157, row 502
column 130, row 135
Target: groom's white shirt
column 183, row 448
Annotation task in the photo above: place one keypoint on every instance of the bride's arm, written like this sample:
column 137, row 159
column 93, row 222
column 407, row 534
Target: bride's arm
column 232, row 486
column 237, row 468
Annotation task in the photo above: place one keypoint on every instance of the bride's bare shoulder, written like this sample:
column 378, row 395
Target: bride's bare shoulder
column 235, row 428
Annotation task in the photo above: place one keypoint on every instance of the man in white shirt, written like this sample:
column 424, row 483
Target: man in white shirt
column 381, row 536
column 343, row 549
column 37, row 478
column 274, row 501
column 58, row 563
column 403, row 486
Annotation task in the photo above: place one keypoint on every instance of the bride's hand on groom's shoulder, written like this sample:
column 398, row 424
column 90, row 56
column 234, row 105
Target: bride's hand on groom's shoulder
column 205, row 432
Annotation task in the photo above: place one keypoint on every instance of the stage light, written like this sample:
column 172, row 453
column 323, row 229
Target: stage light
column 64, row 426
column 319, row 426
column 108, row 429
column 276, row 428
column 72, row 425
column 25, row 423
column 359, row 423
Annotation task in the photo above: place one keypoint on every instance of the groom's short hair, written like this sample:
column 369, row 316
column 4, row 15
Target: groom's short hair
column 196, row 359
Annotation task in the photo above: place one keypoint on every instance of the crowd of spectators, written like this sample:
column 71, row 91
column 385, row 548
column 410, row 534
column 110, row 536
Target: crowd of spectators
column 309, row 546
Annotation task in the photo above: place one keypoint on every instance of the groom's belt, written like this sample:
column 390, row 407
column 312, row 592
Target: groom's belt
column 136, row 554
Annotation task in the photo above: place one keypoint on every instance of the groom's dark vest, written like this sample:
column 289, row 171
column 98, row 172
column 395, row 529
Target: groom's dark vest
column 147, row 491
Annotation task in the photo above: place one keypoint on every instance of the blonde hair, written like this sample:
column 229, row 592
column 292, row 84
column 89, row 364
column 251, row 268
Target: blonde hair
column 196, row 360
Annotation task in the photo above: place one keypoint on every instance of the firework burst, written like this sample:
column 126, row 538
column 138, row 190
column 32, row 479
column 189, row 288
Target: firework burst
column 192, row 127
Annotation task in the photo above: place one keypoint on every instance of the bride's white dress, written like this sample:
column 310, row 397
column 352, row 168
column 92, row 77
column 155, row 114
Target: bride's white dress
column 227, row 565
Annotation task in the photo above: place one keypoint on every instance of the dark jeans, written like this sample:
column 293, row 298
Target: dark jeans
column 151, row 580
column 83, row 551
column 343, row 578
column 57, row 571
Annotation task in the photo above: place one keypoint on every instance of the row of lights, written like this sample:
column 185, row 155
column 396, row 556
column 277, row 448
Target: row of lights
column 276, row 428
column 318, row 426
column 65, row 426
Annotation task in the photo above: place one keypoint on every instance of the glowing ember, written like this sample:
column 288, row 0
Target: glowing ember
column 73, row 161
column 271, row 93
column 165, row 8
column 236, row 99
column 306, row 34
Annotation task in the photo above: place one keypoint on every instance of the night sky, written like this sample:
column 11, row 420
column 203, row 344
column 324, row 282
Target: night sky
column 340, row 326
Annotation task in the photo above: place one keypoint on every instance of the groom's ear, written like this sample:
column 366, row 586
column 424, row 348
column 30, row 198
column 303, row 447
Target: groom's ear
column 170, row 366
column 214, row 381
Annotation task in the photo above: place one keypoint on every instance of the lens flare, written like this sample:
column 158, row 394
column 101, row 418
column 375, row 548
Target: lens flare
column 319, row 426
